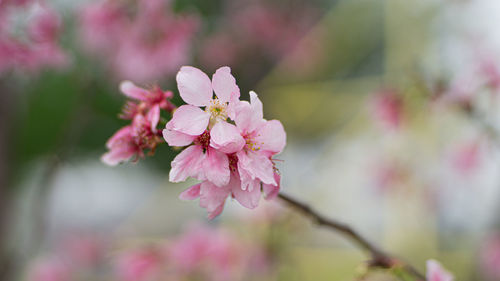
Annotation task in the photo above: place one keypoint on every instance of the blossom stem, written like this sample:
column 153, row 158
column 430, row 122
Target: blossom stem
column 379, row 259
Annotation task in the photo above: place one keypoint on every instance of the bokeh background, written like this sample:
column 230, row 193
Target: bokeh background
column 390, row 107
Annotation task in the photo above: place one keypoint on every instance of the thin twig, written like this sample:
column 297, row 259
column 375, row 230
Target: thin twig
column 378, row 258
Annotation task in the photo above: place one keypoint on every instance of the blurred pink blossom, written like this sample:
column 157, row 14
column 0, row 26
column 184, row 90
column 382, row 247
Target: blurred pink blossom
column 215, row 252
column 50, row 269
column 466, row 158
column 387, row 108
column 140, row 265
column 490, row 257
column 39, row 46
column 435, row 272
column 151, row 44
column 257, row 30
column 82, row 249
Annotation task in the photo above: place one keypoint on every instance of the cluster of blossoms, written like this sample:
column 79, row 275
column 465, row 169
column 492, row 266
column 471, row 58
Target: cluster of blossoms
column 143, row 46
column 267, row 28
column 76, row 255
column 142, row 134
column 36, row 46
column 230, row 146
column 202, row 252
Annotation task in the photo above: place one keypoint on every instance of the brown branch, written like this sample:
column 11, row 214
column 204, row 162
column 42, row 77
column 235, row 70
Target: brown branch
column 378, row 258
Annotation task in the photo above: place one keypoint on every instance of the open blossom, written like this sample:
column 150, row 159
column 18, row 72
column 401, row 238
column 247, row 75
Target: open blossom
column 144, row 111
column 231, row 159
column 190, row 124
column 435, row 272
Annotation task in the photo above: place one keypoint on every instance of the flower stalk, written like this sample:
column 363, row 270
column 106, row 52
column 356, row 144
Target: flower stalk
column 378, row 258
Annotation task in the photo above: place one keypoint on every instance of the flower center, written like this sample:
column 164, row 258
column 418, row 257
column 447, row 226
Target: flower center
column 217, row 110
column 203, row 140
column 251, row 144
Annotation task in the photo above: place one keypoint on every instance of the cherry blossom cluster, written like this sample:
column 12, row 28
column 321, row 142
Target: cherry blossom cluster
column 143, row 109
column 145, row 45
column 210, row 254
column 34, row 46
column 229, row 145
column 200, row 251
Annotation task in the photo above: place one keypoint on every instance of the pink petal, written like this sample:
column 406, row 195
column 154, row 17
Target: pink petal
column 216, row 167
column 248, row 198
column 194, row 86
column 187, row 164
column 271, row 191
column 191, row 193
column 249, row 116
column 190, row 120
column 132, row 91
column 174, row 138
column 124, row 132
column 256, row 105
column 226, row 138
column 154, row 117
column 224, row 84
column 213, row 214
column 118, row 154
column 257, row 165
column 271, row 137
column 212, row 196
column 232, row 105
column 246, row 178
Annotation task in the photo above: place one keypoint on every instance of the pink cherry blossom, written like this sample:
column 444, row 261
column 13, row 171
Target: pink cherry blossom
column 83, row 249
column 466, row 157
column 388, row 109
column 490, row 257
column 149, row 101
column 250, row 163
column 146, row 46
column 214, row 254
column 50, row 269
column 140, row 265
column 144, row 111
column 34, row 47
column 131, row 141
column 435, row 272
column 191, row 124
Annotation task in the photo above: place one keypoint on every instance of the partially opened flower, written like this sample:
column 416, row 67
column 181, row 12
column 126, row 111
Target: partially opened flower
column 131, row 141
column 435, row 272
column 144, row 109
